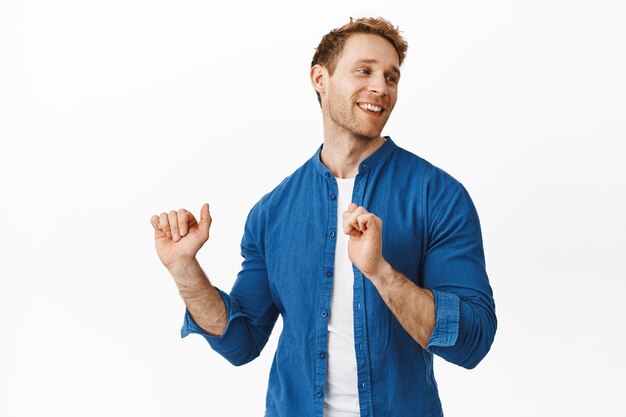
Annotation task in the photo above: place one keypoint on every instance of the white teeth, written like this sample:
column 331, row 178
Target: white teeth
column 370, row 107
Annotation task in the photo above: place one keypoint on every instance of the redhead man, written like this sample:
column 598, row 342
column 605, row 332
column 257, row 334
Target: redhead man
column 372, row 256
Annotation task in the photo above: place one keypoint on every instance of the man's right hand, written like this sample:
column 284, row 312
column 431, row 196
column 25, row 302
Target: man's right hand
column 178, row 238
column 178, row 235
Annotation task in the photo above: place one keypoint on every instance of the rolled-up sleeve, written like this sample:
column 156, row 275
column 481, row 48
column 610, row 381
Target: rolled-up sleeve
column 250, row 307
column 454, row 270
column 232, row 310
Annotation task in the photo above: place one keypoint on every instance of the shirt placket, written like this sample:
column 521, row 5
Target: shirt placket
column 361, row 346
column 325, row 290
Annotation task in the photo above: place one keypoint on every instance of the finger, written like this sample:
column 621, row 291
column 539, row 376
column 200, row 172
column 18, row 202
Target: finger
column 346, row 216
column 370, row 224
column 165, row 224
column 346, row 222
column 183, row 221
column 366, row 221
column 353, row 219
column 173, row 218
column 154, row 221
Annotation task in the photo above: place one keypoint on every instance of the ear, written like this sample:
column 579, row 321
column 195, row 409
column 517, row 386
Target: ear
column 318, row 76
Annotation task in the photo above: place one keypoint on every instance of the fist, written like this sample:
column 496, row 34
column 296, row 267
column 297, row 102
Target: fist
column 365, row 247
column 179, row 236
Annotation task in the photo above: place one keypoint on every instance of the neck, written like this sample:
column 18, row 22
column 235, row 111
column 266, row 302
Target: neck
column 342, row 155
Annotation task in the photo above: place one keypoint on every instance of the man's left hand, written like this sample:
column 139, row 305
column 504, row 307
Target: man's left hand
column 365, row 247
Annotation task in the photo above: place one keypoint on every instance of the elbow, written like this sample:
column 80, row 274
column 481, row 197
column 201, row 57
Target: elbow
column 237, row 351
column 475, row 356
column 476, row 335
column 474, row 359
column 248, row 350
column 240, row 360
column 482, row 339
column 241, row 354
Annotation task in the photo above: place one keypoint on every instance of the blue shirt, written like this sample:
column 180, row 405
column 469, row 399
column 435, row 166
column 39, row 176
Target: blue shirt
column 431, row 234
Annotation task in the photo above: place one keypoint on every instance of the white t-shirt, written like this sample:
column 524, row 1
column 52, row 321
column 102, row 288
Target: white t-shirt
column 341, row 398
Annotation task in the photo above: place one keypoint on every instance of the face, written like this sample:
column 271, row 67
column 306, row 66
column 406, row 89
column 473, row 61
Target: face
column 358, row 98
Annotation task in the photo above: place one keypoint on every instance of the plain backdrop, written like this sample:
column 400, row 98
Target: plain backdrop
column 112, row 111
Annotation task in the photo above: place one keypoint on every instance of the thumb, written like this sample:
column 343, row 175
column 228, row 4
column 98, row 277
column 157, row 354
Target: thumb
column 205, row 216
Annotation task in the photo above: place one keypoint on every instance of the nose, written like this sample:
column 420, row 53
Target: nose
column 378, row 85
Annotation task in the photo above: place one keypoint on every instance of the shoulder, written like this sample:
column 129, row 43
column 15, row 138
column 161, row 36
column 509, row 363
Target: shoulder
column 430, row 177
column 266, row 206
column 437, row 192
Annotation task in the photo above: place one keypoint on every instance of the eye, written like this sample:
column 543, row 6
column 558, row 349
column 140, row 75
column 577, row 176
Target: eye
column 363, row 71
column 392, row 79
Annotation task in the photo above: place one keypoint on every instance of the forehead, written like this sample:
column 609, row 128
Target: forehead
column 368, row 47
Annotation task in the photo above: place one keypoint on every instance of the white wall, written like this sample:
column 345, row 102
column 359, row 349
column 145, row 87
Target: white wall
column 111, row 111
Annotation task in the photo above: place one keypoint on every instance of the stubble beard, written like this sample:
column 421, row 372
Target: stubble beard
column 343, row 116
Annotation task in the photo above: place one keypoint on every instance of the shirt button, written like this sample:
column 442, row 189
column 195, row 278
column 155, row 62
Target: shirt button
column 322, row 354
column 332, row 196
column 329, row 273
column 331, row 234
column 327, row 175
column 324, row 314
column 319, row 393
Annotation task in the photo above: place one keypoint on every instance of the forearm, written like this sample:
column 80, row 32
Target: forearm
column 414, row 307
column 202, row 300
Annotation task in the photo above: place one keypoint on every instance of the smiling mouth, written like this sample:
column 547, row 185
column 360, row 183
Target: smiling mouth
column 369, row 107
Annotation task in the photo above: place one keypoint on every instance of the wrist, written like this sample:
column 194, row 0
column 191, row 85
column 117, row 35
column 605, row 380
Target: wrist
column 189, row 277
column 383, row 275
column 182, row 266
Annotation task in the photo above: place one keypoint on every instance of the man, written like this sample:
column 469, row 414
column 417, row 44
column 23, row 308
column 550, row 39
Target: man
column 372, row 256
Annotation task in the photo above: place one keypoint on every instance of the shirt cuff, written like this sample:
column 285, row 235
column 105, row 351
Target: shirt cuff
column 190, row 326
column 446, row 321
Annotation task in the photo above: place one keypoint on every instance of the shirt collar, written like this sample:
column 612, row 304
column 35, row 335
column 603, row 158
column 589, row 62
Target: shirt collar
column 368, row 163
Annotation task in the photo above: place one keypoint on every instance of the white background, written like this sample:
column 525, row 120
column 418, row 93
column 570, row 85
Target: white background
column 111, row 111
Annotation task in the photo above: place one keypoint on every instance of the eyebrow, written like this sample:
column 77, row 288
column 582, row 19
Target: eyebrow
column 373, row 61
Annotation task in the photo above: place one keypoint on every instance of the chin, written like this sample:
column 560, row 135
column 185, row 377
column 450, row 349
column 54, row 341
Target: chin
column 369, row 134
column 366, row 137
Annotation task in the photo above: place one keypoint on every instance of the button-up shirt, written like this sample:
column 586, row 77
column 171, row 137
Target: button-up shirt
column 430, row 233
